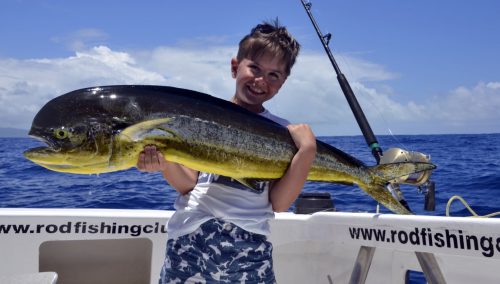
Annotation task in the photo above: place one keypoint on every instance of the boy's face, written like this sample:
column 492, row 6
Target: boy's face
column 257, row 80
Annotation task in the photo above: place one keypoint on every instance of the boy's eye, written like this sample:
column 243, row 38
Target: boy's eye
column 274, row 76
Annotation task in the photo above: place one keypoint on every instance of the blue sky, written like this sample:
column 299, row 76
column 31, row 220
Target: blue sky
column 417, row 67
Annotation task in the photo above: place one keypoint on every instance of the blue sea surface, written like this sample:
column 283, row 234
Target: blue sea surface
column 468, row 166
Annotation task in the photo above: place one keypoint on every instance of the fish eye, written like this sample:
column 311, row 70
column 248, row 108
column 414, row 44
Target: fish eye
column 61, row 133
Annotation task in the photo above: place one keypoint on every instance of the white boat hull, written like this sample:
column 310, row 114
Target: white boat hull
column 127, row 246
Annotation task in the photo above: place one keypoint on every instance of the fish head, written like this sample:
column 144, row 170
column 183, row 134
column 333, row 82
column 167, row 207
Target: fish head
column 71, row 148
column 77, row 132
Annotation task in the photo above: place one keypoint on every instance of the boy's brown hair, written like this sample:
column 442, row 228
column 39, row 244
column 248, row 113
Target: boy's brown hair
column 272, row 38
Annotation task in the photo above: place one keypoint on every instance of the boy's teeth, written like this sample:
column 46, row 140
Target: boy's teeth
column 258, row 91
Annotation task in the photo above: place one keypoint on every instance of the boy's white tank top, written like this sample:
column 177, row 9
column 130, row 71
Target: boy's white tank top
column 221, row 197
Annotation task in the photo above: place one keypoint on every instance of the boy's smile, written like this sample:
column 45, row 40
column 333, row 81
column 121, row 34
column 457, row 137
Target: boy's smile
column 257, row 80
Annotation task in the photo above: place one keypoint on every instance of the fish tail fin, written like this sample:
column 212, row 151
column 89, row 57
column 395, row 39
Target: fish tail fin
column 382, row 174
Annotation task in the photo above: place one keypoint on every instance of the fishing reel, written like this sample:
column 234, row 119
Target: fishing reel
column 420, row 179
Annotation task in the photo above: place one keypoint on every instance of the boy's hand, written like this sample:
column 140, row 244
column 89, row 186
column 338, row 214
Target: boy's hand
column 181, row 178
column 303, row 137
column 151, row 160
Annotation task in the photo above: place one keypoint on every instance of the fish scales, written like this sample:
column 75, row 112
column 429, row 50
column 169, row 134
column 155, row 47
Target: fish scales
column 244, row 153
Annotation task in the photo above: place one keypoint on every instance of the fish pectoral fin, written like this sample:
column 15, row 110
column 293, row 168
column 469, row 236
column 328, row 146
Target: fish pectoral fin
column 255, row 184
column 147, row 129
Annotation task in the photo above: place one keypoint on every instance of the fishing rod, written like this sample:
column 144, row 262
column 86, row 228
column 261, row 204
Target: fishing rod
column 370, row 138
column 393, row 155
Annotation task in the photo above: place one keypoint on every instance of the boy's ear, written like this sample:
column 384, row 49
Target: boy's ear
column 234, row 67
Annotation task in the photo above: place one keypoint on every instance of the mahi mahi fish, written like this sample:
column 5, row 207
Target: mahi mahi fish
column 104, row 129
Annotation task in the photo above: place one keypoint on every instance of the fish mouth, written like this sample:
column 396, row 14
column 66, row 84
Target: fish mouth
column 43, row 155
column 59, row 161
column 40, row 150
column 54, row 156
column 47, row 157
column 51, row 145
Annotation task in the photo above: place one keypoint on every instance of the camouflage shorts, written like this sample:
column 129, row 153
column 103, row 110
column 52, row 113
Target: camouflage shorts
column 218, row 252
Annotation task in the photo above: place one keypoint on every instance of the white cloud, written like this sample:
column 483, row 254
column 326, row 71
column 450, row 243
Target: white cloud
column 201, row 70
column 472, row 110
column 493, row 85
column 311, row 94
column 26, row 85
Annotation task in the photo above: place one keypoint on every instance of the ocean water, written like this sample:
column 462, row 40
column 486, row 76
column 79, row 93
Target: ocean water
column 468, row 166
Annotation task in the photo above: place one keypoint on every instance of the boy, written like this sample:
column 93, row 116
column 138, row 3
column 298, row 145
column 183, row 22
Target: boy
column 218, row 232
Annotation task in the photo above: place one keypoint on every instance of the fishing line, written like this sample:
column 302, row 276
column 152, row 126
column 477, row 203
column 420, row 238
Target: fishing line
column 474, row 214
column 401, row 144
column 378, row 112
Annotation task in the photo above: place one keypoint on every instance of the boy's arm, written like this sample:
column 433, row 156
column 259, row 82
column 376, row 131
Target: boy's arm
column 182, row 178
column 284, row 192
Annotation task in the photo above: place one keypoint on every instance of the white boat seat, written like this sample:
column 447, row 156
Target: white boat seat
column 34, row 278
